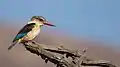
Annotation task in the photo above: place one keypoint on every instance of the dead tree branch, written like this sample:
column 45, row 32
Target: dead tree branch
column 63, row 57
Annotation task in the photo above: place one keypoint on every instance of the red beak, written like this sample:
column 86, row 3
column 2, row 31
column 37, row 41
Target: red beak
column 49, row 24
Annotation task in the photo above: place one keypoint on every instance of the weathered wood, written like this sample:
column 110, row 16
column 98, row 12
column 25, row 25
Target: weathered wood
column 63, row 57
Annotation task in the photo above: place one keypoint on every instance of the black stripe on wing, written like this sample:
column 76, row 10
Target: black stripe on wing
column 27, row 28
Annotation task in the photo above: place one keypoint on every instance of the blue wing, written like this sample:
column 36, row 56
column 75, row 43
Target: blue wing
column 20, row 36
column 24, row 31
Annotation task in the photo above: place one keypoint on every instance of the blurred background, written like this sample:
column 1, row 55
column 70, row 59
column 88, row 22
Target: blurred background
column 92, row 24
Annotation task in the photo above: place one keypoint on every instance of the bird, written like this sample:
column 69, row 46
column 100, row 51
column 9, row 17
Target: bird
column 30, row 31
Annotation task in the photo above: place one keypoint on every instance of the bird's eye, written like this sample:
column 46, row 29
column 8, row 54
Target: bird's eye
column 41, row 19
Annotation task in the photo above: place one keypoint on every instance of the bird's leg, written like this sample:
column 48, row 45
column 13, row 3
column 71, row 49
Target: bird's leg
column 32, row 41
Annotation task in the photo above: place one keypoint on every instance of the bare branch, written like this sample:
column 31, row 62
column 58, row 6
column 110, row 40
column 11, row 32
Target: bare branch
column 63, row 57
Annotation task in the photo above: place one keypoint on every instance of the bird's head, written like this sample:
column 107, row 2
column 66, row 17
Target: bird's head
column 41, row 21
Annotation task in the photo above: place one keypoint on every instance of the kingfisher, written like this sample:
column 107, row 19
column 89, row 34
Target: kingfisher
column 30, row 31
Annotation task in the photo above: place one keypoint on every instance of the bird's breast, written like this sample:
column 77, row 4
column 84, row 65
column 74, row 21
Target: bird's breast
column 36, row 31
column 33, row 33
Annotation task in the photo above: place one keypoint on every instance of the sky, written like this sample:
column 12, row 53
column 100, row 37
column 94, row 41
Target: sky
column 96, row 19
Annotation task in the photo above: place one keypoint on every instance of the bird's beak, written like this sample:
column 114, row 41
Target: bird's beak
column 49, row 24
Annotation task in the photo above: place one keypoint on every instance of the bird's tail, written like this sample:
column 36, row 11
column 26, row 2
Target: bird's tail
column 12, row 45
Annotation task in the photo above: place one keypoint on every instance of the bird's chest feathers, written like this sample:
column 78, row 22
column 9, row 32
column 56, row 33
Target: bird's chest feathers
column 34, row 32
